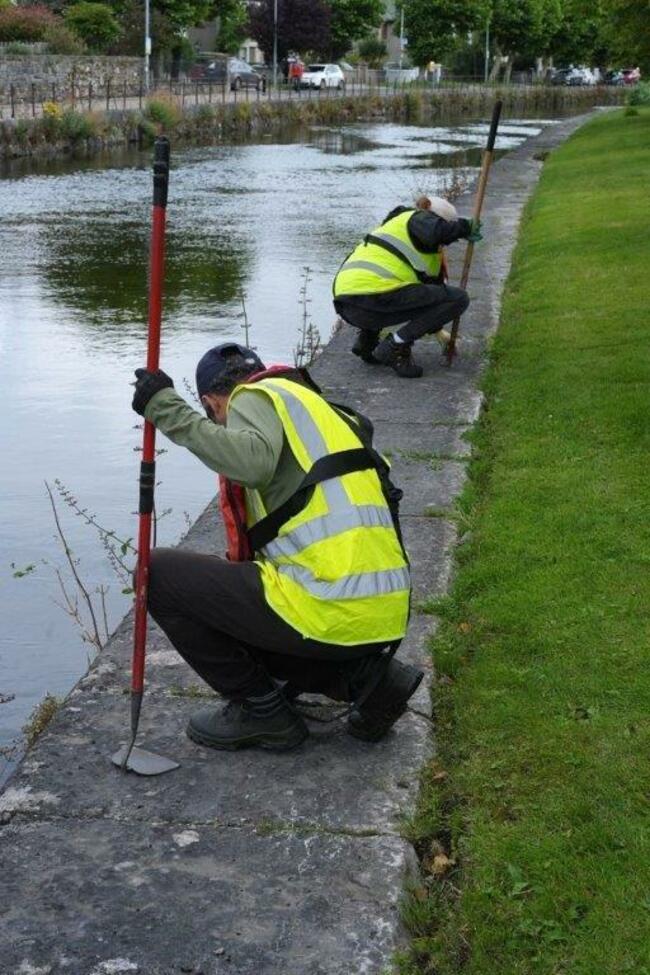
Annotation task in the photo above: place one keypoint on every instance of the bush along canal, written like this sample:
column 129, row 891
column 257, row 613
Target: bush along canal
column 60, row 130
column 258, row 862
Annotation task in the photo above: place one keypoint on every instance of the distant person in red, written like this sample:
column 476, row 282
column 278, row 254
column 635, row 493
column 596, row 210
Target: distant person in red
column 296, row 71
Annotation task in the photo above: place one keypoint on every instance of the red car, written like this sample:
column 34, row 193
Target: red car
column 631, row 76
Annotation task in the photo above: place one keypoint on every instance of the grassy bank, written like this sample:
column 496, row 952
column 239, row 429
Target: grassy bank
column 62, row 130
column 534, row 820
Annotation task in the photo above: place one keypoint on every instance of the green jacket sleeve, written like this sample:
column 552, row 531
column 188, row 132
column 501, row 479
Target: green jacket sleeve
column 247, row 450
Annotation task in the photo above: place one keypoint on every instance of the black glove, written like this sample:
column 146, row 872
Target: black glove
column 147, row 385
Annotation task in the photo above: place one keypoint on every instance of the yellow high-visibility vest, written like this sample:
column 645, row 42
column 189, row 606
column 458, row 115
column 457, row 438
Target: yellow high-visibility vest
column 372, row 268
column 336, row 572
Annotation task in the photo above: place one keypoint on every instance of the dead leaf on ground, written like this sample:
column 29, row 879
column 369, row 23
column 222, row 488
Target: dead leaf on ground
column 441, row 864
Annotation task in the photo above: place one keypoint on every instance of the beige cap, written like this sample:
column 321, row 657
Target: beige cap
column 439, row 206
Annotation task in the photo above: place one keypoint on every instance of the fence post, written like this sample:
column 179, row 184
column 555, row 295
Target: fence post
column 54, row 91
column 183, row 94
column 72, row 80
column 90, row 96
column 223, row 91
column 33, row 100
column 140, row 95
column 124, row 97
column 108, row 94
column 210, row 90
column 12, row 99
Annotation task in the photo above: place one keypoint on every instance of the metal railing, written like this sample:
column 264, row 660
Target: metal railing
column 27, row 101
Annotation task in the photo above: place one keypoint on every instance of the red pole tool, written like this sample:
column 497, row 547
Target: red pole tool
column 136, row 759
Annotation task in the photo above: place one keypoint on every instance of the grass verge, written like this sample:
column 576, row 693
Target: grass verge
column 538, row 807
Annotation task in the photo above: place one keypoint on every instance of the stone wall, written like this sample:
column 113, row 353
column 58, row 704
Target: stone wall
column 64, row 71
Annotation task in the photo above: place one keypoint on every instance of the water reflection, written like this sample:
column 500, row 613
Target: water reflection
column 97, row 269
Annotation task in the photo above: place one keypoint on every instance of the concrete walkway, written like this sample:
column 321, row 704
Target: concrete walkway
column 253, row 863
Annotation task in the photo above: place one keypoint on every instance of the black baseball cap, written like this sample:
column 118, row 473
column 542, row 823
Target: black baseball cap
column 220, row 360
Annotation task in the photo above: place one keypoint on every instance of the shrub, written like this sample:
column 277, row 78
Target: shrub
column 18, row 47
column 374, row 51
column 25, row 23
column 76, row 126
column 640, row 94
column 163, row 111
column 61, row 40
column 94, row 23
column 205, row 114
column 147, row 132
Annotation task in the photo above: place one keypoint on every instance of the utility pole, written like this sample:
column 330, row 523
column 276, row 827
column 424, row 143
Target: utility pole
column 147, row 43
column 275, row 43
column 487, row 51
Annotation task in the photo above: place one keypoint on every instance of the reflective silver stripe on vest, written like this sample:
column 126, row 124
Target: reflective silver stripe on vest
column 327, row 526
column 377, row 269
column 312, row 438
column 410, row 253
column 357, row 586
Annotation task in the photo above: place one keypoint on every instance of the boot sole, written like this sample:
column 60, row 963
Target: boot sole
column 267, row 741
column 363, row 735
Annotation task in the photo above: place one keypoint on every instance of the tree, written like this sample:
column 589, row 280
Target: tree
column 581, row 37
column 626, row 28
column 233, row 24
column 525, row 27
column 303, row 25
column 435, row 27
column 94, row 23
column 352, row 20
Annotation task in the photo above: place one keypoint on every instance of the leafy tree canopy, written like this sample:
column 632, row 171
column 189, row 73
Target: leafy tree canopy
column 525, row 27
column 94, row 23
column 303, row 26
column 435, row 27
column 352, row 20
column 628, row 33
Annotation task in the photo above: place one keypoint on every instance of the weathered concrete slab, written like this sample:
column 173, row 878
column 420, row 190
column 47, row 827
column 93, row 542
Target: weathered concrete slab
column 311, row 786
column 161, row 900
column 254, row 863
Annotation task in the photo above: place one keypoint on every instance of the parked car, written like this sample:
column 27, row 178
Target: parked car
column 323, row 76
column 614, row 78
column 240, row 74
column 575, row 77
column 631, row 76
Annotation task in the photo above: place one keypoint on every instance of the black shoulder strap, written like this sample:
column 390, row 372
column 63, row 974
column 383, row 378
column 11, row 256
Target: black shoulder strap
column 422, row 276
column 332, row 465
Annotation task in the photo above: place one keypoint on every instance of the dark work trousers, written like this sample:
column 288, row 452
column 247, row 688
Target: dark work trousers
column 420, row 309
column 215, row 614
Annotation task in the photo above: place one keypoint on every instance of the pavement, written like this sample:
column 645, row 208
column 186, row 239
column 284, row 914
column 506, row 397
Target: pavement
column 255, row 863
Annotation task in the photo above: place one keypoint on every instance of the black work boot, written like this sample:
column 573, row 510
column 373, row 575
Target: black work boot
column 267, row 721
column 377, row 713
column 365, row 344
column 398, row 356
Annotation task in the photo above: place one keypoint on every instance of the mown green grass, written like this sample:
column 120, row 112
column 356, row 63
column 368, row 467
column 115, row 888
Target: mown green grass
column 544, row 706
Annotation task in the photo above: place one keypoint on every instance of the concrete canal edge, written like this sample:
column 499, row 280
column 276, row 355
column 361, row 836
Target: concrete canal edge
column 254, row 863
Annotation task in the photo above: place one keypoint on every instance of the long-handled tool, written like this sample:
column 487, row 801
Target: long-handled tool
column 488, row 154
column 129, row 757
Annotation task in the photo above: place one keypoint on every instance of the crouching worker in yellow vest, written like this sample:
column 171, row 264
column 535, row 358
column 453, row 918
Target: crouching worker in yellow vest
column 396, row 277
column 314, row 595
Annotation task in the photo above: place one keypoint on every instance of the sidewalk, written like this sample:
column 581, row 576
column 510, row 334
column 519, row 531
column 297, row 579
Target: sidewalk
column 253, row 863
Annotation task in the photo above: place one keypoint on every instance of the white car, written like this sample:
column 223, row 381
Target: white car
column 323, row 76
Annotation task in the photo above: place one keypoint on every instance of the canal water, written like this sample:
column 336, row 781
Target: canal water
column 243, row 220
